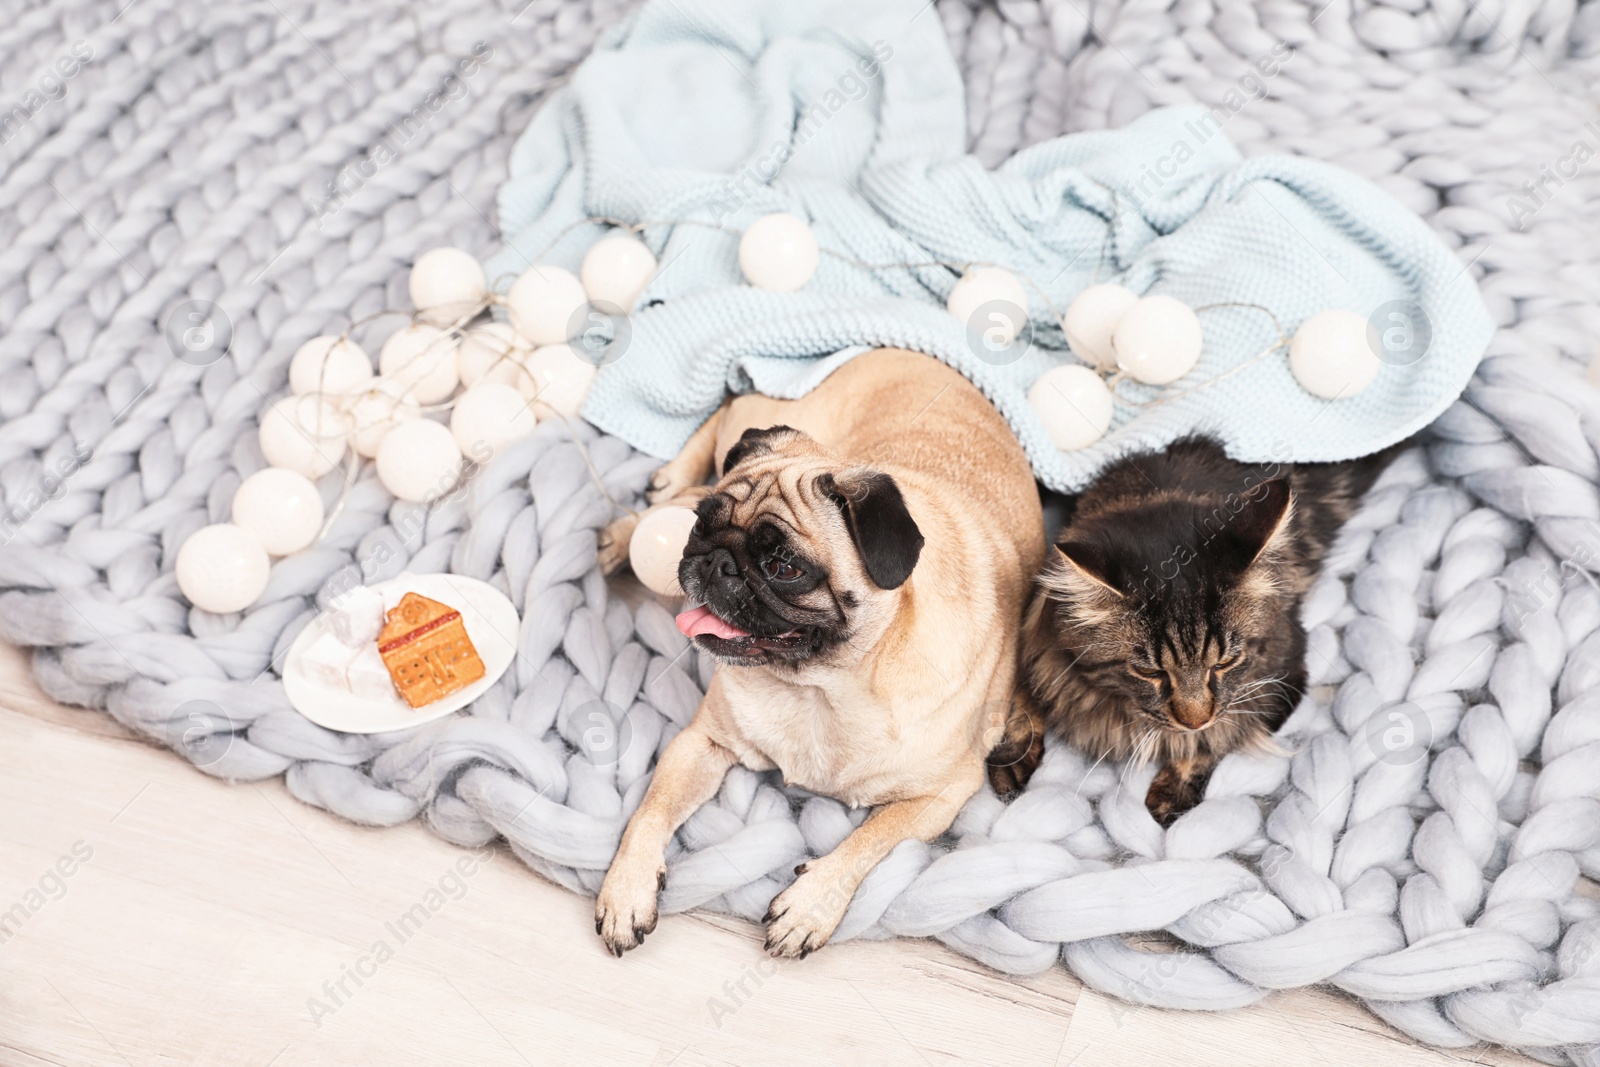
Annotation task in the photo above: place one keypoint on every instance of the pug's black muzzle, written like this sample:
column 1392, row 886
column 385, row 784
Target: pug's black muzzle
column 713, row 574
column 720, row 570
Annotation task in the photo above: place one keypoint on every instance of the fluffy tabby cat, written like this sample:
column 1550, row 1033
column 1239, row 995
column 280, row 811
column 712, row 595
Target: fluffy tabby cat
column 1167, row 625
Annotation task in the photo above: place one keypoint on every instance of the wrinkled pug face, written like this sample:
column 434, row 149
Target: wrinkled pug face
column 796, row 557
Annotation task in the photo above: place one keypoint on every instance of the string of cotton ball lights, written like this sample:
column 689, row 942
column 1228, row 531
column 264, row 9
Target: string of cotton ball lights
column 493, row 380
column 1157, row 340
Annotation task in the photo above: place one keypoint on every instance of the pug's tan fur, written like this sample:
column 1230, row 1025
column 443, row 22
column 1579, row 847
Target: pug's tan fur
column 902, row 714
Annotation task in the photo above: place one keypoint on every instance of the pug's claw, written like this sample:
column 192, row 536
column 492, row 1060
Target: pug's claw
column 626, row 911
column 803, row 916
column 613, row 544
column 663, row 486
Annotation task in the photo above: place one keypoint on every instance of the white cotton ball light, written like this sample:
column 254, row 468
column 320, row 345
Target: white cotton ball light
column 1157, row 340
column 1074, row 404
column 615, row 270
column 422, row 359
column 562, row 379
column 542, row 303
column 483, row 347
column 656, row 548
column 490, row 416
column 986, row 285
column 283, row 509
column 222, row 568
column 330, row 365
column 778, row 252
column 306, row 434
column 377, row 411
column 1330, row 356
column 1092, row 318
column 419, row 461
column 515, row 373
column 448, row 285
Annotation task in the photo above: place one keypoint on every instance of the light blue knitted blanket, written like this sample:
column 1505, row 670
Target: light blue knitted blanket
column 721, row 111
column 1430, row 847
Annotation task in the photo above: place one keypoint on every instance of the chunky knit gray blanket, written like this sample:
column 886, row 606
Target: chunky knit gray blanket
column 274, row 168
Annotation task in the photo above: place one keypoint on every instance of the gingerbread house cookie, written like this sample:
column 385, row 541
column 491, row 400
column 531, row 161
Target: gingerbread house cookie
column 425, row 646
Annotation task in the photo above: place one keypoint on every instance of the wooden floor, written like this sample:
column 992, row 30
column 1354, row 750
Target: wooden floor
column 208, row 916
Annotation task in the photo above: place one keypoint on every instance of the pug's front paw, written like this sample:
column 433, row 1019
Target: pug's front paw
column 613, row 544
column 626, row 908
column 665, row 484
column 802, row 918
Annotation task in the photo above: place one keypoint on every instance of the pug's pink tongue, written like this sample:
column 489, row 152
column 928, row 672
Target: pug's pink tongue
column 697, row 621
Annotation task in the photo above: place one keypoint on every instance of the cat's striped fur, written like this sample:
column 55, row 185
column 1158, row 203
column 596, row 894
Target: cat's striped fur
column 1166, row 625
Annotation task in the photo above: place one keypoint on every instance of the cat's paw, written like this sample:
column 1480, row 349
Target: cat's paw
column 1170, row 795
column 1009, row 779
column 802, row 918
column 626, row 908
column 1016, row 755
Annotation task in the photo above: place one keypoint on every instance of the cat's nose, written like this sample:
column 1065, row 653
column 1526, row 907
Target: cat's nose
column 1194, row 713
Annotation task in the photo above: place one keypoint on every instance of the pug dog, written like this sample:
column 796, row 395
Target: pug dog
column 859, row 572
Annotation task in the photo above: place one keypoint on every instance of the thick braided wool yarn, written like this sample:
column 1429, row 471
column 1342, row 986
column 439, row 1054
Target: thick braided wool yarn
column 1420, row 843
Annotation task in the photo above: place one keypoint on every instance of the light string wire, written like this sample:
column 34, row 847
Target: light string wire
column 406, row 377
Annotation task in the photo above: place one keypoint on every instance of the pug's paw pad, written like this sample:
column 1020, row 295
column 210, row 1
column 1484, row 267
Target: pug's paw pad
column 626, row 908
column 803, row 917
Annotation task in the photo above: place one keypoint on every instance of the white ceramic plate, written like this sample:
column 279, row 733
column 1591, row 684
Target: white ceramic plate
column 491, row 622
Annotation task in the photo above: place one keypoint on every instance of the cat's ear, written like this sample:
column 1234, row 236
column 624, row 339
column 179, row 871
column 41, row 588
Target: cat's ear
column 1264, row 519
column 1090, row 561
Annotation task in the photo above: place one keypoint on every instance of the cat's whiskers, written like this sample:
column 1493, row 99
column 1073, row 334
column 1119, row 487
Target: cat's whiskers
column 1247, row 695
column 1090, row 771
column 1260, row 683
column 1240, row 704
column 1139, row 757
column 1122, row 727
column 1130, row 761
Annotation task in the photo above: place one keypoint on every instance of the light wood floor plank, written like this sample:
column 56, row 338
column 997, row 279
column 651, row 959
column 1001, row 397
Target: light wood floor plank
column 209, row 915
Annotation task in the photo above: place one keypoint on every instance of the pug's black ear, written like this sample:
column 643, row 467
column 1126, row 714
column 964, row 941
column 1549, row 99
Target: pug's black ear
column 884, row 532
column 753, row 442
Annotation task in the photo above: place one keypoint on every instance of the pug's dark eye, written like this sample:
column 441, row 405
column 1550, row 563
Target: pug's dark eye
column 781, row 570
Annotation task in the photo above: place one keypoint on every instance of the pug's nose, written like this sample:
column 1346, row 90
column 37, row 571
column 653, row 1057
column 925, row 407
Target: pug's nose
column 720, row 562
